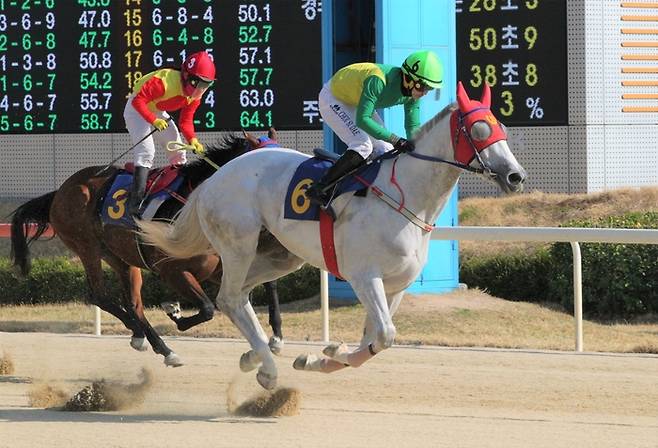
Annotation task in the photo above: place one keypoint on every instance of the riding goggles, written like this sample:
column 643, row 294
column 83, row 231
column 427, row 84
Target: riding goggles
column 199, row 83
column 421, row 86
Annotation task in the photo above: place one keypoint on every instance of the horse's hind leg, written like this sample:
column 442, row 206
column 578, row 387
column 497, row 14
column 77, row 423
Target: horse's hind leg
column 265, row 269
column 185, row 283
column 276, row 341
column 131, row 281
column 233, row 297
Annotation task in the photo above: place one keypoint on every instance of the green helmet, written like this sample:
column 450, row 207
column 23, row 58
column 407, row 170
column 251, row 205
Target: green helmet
column 424, row 66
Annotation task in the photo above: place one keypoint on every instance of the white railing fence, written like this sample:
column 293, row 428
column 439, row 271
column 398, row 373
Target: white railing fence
column 538, row 234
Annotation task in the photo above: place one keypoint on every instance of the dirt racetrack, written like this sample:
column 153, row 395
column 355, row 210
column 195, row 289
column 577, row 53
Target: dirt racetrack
column 405, row 397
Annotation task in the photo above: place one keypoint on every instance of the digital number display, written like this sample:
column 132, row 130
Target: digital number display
column 67, row 66
column 519, row 48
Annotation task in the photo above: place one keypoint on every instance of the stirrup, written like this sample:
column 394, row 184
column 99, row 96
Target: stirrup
column 315, row 194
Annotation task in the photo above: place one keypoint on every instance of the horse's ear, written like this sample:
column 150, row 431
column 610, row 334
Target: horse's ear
column 271, row 133
column 462, row 97
column 253, row 141
column 486, row 96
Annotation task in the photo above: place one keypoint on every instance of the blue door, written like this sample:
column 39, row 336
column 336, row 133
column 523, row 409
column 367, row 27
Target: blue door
column 405, row 26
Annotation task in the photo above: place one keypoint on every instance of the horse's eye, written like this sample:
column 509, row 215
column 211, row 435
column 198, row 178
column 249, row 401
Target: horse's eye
column 480, row 130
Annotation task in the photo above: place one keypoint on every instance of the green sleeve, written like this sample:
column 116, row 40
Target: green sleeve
column 372, row 88
column 411, row 117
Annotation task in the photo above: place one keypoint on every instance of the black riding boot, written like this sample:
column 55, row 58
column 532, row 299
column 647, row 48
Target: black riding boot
column 137, row 190
column 346, row 163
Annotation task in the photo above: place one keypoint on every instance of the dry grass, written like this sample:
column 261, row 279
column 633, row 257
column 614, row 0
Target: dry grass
column 538, row 209
column 461, row 318
column 7, row 364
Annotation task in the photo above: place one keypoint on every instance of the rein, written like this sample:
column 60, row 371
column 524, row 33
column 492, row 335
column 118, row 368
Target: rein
column 178, row 146
column 399, row 206
column 395, row 205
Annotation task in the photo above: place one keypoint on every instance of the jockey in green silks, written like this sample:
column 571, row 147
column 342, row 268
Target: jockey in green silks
column 349, row 101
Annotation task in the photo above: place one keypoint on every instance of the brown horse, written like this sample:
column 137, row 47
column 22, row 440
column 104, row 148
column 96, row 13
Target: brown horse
column 73, row 211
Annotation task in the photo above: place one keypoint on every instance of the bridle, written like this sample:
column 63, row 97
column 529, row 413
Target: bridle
column 399, row 206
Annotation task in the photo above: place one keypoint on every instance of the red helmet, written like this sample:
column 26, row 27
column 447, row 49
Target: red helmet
column 199, row 64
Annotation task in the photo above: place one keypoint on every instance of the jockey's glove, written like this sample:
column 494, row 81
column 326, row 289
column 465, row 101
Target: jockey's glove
column 404, row 145
column 197, row 147
column 160, row 124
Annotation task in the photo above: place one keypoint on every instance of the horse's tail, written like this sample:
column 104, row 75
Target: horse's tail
column 35, row 211
column 182, row 239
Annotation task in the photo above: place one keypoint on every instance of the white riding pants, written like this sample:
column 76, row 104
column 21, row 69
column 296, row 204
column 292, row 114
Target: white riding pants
column 144, row 153
column 341, row 118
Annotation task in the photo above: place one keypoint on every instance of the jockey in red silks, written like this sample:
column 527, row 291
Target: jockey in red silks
column 155, row 94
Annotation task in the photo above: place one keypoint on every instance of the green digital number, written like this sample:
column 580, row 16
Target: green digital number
column 27, row 82
column 50, row 41
column 250, row 119
column 51, row 80
column 268, row 71
column 157, row 37
column 208, row 36
column 27, row 42
column 95, row 122
column 210, row 120
column 182, row 36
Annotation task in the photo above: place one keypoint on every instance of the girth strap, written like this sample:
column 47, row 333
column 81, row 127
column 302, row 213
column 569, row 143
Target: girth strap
column 327, row 242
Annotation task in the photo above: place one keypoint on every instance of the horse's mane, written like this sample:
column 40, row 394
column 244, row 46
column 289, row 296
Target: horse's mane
column 223, row 151
column 425, row 129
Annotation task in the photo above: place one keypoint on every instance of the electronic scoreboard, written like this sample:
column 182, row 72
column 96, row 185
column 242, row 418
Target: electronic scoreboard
column 67, row 66
column 519, row 48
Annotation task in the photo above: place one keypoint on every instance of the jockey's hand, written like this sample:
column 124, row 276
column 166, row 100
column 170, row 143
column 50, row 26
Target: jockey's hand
column 197, row 147
column 404, row 145
column 160, row 124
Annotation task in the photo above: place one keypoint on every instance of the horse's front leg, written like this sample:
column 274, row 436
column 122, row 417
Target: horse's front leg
column 131, row 281
column 339, row 356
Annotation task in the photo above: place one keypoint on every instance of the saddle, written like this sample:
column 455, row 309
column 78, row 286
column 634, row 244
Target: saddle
column 158, row 179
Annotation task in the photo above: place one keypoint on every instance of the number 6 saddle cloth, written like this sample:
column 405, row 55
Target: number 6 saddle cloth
column 298, row 206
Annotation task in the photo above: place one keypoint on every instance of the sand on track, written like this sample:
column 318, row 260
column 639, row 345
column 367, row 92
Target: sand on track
column 405, row 397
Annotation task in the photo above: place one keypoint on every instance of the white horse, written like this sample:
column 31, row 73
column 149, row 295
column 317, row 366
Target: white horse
column 380, row 245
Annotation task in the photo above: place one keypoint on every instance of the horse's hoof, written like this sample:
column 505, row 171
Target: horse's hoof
column 173, row 360
column 276, row 345
column 337, row 352
column 266, row 381
column 139, row 344
column 172, row 309
column 307, row 361
column 249, row 361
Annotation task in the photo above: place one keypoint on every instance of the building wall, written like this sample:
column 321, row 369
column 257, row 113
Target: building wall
column 31, row 165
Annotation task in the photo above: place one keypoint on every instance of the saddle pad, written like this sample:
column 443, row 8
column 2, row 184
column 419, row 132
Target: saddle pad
column 298, row 206
column 115, row 204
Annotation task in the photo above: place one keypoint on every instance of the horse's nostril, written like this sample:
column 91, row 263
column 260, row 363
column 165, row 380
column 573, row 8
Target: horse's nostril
column 515, row 178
